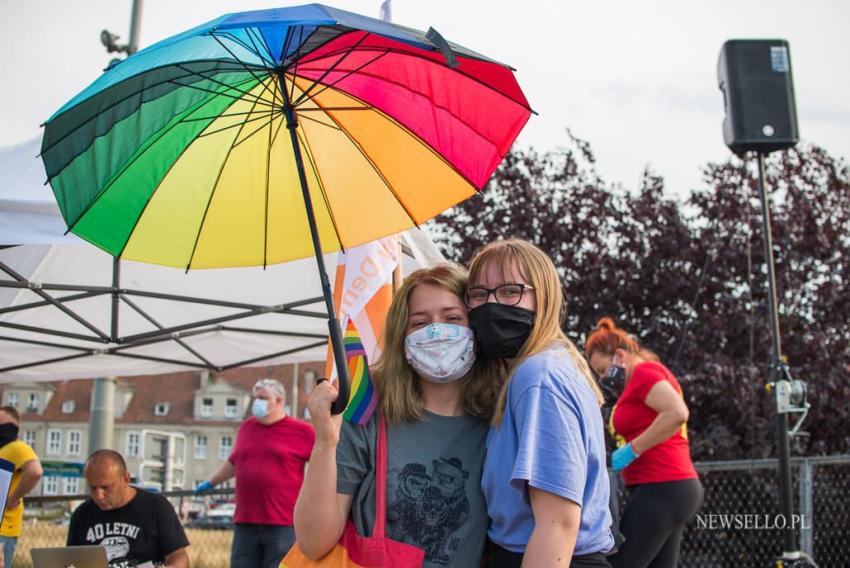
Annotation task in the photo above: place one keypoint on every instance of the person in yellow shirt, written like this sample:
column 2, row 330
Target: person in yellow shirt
column 27, row 474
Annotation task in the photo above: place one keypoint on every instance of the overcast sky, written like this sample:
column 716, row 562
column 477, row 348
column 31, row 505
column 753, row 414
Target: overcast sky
column 635, row 79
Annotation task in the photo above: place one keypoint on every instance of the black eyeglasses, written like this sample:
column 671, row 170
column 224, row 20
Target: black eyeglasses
column 506, row 294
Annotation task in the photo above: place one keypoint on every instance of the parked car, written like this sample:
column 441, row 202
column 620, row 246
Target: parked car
column 215, row 519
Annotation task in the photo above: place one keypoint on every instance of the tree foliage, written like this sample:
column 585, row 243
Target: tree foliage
column 688, row 278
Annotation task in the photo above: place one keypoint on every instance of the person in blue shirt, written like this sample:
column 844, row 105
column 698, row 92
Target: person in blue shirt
column 544, row 480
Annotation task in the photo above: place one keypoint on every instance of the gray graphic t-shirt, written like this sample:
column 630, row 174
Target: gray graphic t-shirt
column 434, row 498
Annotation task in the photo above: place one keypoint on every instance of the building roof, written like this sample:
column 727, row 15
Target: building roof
column 176, row 389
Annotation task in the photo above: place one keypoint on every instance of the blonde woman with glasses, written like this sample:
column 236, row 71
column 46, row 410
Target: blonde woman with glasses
column 544, row 479
column 437, row 401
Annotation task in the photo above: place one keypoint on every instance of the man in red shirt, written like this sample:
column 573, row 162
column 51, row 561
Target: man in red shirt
column 268, row 462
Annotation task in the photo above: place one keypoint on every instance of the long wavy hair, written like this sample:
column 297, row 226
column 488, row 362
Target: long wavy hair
column 537, row 269
column 398, row 386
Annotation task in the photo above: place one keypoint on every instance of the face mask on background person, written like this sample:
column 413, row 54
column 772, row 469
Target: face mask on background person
column 8, row 433
column 614, row 380
column 440, row 352
column 260, row 408
column 500, row 330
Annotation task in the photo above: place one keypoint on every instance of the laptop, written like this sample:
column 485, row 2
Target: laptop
column 69, row 557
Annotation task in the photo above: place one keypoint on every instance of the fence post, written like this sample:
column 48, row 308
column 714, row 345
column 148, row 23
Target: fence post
column 806, row 509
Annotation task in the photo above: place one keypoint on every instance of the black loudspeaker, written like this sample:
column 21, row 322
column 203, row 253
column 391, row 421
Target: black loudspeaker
column 758, row 94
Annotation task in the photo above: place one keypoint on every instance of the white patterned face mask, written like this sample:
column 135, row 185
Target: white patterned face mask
column 440, row 352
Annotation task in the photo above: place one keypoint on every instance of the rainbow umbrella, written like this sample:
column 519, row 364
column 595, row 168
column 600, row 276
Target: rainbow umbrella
column 271, row 135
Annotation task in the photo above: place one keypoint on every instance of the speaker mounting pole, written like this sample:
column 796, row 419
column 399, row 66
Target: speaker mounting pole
column 758, row 95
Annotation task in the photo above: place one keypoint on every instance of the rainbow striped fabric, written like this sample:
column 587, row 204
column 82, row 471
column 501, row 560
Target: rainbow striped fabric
column 363, row 399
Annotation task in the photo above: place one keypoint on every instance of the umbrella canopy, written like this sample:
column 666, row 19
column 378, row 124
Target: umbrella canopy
column 271, row 135
column 180, row 155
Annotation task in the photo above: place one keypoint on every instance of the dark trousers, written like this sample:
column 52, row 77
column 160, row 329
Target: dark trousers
column 653, row 522
column 501, row 558
column 260, row 546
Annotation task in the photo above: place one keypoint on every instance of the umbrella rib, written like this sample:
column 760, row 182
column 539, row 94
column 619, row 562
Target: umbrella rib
column 306, row 144
column 253, row 132
column 244, row 93
column 305, row 93
column 439, row 63
column 252, row 98
column 267, row 65
column 265, row 88
column 212, row 194
column 297, row 58
column 345, row 75
column 228, row 115
column 266, row 205
column 158, row 135
column 375, row 166
column 265, row 114
column 116, row 103
column 317, row 121
column 435, row 152
column 260, row 39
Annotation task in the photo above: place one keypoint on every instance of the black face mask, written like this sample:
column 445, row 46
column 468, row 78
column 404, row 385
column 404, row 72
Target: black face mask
column 500, row 331
column 8, row 433
column 613, row 382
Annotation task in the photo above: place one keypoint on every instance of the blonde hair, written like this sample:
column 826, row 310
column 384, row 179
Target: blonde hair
column 537, row 269
column 397, row 385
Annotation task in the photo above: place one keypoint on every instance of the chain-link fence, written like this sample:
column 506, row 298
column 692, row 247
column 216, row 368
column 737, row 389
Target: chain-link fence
column 740, row 523
column 738, row 526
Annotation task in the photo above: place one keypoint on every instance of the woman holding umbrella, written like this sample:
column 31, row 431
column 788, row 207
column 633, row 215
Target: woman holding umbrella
column 649, row 422
column 545, row 479
column 436, row 401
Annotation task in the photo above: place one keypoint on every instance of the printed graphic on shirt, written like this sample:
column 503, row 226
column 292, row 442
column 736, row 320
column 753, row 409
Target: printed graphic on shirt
column 429, row 507
column 115, row 538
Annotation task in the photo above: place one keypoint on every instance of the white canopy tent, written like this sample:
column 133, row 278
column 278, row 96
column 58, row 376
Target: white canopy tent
column 68, row 310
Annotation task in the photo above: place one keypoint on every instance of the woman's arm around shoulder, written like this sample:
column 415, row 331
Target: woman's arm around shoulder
column 321, row 512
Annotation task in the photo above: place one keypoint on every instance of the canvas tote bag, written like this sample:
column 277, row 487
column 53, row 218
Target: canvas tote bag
column 355, row 551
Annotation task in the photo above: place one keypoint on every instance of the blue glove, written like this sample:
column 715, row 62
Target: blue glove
column 622, row 457
column 203, row 487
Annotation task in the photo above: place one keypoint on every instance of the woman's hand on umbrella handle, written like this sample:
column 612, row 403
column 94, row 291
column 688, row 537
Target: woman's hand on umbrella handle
column 325, row 424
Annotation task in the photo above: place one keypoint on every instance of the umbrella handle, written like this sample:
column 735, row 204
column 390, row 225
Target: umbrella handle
column 344, row 382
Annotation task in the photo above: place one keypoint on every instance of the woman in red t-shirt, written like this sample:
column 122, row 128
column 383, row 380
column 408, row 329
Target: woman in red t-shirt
column 649, row 423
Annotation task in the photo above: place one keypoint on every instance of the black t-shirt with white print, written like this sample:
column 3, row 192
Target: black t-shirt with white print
column 144, row 530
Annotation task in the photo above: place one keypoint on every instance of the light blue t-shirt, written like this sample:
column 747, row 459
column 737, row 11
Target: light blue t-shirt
column 551, row 437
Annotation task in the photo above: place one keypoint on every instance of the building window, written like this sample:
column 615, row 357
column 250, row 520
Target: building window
column 161, row 409
column 200, row 447
column 54, row 443
column 206, row 407
column 133, row 444
column 75, row 442
column 230, row 408
column 70, row 485
column 12, row 399
column 51, row 485
column 225, row 447
column 68, row 407
column 30, row 437
column 33, row 404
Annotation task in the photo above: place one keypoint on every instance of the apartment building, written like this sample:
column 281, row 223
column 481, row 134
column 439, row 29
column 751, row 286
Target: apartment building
column 174, row 430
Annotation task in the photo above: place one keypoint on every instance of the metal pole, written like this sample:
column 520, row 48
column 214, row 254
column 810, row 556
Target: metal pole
column 333, row 323
column 102, row 424
column 782, row 445
column 116, row 279
column 135, row 27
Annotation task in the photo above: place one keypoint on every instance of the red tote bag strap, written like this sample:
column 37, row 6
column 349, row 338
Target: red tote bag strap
column 381, row 480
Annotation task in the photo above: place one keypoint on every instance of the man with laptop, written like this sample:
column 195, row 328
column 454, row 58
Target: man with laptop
column 135, row 527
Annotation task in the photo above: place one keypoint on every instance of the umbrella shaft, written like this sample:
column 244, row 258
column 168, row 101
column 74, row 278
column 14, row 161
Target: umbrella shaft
column 333, row 324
